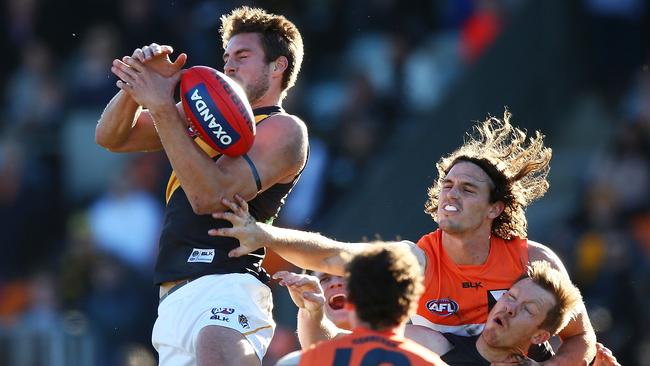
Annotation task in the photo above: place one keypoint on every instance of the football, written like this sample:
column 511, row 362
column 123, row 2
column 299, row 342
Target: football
column 218, row 110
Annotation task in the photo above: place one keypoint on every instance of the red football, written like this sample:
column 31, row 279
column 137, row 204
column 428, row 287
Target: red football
column 218, row 109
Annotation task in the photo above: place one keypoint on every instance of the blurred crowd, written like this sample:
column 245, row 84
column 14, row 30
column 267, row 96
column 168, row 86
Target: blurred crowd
column 80, row 226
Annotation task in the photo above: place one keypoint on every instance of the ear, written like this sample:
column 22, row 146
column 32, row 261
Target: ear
column 496, row 209
column 279, row 65
column 540, row 336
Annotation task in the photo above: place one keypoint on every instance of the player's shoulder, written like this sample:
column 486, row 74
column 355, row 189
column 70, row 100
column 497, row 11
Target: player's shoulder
column 541, row 252
column 420, row 352
column 284, row 124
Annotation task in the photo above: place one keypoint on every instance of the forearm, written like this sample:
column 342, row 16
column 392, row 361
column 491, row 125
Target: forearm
column 117, row 120
column 197, row 172
column 575, row 350
column 309, row 250
column 313, row 328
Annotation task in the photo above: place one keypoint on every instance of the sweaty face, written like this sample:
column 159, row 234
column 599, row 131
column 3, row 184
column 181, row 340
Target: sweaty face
column 463, row 204
column 335, row 290
column 244, row 61
column 516, row 317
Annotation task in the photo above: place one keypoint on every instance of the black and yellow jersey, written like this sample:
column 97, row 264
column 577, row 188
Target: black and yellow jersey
column 187, row 251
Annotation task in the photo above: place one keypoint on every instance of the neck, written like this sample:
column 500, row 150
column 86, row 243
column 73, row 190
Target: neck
column 272, row 97
column 493, row 354
column 470, row 249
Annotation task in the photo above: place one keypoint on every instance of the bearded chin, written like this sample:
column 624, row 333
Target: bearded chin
column 256, row 90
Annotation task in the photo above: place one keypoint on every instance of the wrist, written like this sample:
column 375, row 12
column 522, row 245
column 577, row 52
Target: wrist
column 163, row 111
column 314, row 315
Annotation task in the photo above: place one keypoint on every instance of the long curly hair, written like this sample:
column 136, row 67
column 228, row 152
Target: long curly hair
column 518, row 167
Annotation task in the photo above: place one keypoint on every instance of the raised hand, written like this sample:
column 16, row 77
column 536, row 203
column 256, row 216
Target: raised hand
column 305, row 290
column 147, row 87
column 244, row 227
column 157, row 57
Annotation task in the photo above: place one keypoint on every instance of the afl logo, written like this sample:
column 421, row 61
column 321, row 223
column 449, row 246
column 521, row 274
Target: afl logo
column 442, row 307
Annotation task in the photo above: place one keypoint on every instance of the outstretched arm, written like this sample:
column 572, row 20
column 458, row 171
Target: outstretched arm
column 578, row 337
column 307, row 294
column 304, row 249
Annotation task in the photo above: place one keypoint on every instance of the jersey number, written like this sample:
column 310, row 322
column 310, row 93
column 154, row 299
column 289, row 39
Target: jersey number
column 374, row 357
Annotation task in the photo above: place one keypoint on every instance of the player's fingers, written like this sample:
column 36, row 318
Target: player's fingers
column 122, row 71
column 231, row 205
column 166, row 49
column 148, row 53
column 137, row 53
column 242, row 202
column 224, row 231
column 279, row 274
column 305, row 281
column 180, row 60
column 155, row 49
column 134, row 63
column 291, row 281
column 236, row 207
column 310, row 296
column 124, row 86
column 237, row 252
column 228, row 216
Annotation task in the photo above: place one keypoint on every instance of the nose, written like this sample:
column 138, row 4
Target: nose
column 335, row 284
column 229, row 68
column 510, row 310
column 453, row 192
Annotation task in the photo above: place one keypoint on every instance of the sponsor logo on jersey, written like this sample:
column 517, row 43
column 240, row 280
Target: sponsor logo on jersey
column 201, row 255
column 442, row 307
column 220, row 314
column 472, row 284
column 226, row 311
column 243, row 321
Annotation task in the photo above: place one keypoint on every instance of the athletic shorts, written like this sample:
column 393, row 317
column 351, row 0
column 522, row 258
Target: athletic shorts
column 236, row 301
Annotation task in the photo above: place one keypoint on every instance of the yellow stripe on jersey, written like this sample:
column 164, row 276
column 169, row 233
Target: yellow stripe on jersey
column 256, row 330
column 173, row 183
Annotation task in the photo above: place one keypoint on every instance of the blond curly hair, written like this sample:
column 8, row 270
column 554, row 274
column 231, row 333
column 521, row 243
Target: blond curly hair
column 517, row 166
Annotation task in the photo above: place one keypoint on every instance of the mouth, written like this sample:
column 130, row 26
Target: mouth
column 450, row 208
column 499, row 321
column 337, row 302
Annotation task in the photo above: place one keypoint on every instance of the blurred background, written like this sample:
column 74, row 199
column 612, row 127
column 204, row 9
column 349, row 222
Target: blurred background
column 387, row 87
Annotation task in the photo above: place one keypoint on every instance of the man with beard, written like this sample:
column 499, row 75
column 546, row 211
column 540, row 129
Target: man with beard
column 213, row 309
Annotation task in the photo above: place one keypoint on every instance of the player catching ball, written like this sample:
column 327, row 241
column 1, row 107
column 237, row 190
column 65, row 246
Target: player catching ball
column 213, row 309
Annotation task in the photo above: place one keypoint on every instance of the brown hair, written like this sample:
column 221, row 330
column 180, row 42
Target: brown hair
column 279, row 37
column 384, row 283
column 566, row 294
column 518, row 169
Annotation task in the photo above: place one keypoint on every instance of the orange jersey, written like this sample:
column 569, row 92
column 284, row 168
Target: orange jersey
column 457, row 298
column 369, row 348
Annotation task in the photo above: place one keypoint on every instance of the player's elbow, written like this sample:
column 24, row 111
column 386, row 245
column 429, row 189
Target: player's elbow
column 204, row 205
column 105, row 140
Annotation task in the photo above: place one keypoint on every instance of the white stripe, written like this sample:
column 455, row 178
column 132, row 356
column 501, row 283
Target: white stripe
column 464, row 330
